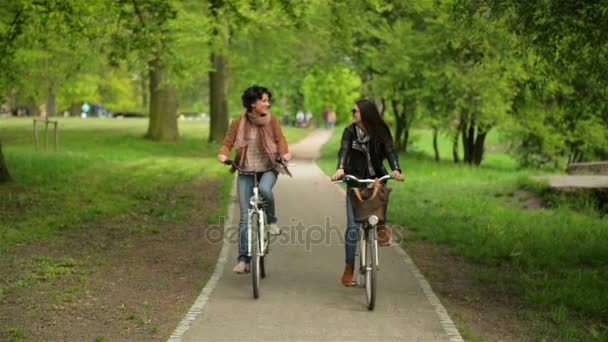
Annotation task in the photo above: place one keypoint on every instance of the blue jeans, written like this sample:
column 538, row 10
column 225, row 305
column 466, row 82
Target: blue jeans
column 351, row 234
column 245, row 185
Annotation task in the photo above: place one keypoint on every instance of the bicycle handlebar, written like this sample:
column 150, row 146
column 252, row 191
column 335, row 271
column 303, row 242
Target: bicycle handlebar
column 278, row 159
column 360, row 181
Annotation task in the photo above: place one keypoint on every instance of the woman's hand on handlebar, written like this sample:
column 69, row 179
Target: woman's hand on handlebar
column 286, row 157
column 397, row 176
column 221, row 158
column 338, row 175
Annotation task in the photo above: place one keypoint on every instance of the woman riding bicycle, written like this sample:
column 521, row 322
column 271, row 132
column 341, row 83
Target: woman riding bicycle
column 365, row 144
column 259, row 139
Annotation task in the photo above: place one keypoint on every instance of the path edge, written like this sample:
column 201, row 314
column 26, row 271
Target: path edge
column 203, row 298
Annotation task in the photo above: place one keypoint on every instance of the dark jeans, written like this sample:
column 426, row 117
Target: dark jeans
column 245, row 185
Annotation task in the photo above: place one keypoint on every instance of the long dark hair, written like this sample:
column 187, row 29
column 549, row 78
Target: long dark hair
column 374, row 124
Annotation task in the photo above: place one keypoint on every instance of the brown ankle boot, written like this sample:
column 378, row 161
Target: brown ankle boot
column 347, row 277
column 384, row 235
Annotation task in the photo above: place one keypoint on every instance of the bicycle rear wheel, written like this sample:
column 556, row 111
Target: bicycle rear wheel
column 255, row 256
column 371, row 272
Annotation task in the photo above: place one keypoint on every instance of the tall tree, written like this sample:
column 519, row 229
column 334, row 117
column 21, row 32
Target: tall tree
column 218, row 75
column 39, row 26
column 145, row 31
column 241, row 34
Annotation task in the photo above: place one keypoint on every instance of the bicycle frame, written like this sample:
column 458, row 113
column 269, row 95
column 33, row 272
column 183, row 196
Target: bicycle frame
column 369, row 265
column 255, row 208
column 366, row 227
column 256, row 211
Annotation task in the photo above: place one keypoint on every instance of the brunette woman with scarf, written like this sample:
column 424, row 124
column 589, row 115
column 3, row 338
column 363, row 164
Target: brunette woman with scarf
column 258, row 139
column 365, row 145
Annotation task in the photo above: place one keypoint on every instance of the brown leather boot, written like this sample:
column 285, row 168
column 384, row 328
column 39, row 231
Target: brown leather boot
column 347, row 277
column 384, row 235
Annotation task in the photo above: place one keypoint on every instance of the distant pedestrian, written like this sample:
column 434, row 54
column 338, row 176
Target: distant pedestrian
column 309, row 119
column 85, row 110
column 331, row 119
column 326, row 117
column 300, row 119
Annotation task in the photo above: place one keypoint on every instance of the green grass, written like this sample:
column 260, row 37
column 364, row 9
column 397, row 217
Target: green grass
column 102, row 168
column 13, row 335
column 557, row 257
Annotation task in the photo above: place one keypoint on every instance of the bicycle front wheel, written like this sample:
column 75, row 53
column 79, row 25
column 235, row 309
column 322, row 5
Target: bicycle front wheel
column 255, row 256
column 265, row 251
column 371, row 272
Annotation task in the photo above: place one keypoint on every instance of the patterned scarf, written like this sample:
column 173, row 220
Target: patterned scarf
column 267, row 138
column 363, row 140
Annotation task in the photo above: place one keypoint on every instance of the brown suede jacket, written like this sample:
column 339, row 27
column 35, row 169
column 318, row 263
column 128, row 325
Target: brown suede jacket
column 230, row 138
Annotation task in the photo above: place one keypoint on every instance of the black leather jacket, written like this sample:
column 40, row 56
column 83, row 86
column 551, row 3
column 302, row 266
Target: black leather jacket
column 353, row 159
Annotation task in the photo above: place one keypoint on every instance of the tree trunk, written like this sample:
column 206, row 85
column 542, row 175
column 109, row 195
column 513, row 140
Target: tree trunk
column 398, row 125
column 383, row 105
column 32, row 109
column 75, row 109
column 398, row 133
column 51, row 109
column 479, row 149
column 402, row 133
column 468, row 141
column 4, row 174
column 144, row 91
column 455, row 147
column 218, row 98
column 465, row 144
column 163, row 106
column 435, row 147
column 575, row 156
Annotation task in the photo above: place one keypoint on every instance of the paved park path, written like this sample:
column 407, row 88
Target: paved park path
column 302, row 297
column 576, row 182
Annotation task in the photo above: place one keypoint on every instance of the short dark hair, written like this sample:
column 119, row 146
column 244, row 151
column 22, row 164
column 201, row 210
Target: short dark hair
column 254, row 93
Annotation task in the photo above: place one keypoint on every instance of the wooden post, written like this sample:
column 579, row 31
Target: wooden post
column 35, row 135
column 46, row 135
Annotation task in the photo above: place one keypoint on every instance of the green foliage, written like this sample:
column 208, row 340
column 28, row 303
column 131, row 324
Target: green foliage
column 337, row 89
column 564, row 45
column 534, row 69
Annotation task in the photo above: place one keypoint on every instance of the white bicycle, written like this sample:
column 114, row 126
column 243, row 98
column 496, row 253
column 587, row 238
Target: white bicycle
column 367, row 249
column 258, row 239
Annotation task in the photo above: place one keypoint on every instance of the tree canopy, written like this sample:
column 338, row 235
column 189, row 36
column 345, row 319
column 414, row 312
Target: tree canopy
column 533, row 70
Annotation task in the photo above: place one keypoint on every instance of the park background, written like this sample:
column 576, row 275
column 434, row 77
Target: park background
column 481, row 96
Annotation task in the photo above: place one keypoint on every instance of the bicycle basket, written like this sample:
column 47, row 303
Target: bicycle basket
column 370, row 201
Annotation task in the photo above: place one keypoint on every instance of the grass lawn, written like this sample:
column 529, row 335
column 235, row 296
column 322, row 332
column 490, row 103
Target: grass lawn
column 556, row 257
column 109, row 207
column 102, row 168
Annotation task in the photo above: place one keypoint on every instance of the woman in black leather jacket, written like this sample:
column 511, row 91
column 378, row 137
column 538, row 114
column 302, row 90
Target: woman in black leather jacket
column 366, row 143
